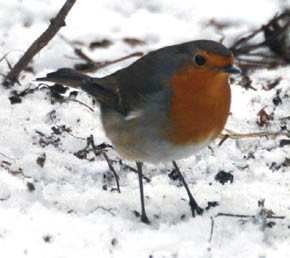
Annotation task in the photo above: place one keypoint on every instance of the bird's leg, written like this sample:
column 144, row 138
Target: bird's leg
column 192, row 202
column 144, row 217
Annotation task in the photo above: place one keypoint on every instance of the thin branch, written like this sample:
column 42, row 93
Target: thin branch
column 5, row 156
column 93, row 65
column 96, row 150
column 247, row 216
column 274, row 42
column 75, row 100
column 241, row 41
column 105, row 209
column 234, row 135
column 285, row 118
column 135, row 171
column 211, row 229
column 55, row 25
column 109, row 162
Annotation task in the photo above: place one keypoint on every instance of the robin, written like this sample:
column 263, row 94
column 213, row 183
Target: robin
column 166, row 106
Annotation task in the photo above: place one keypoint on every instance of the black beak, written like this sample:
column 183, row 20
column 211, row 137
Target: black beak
column 231, row 69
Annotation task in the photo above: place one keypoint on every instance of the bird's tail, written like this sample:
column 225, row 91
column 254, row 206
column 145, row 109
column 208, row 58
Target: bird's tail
column 93, row 86
column 66, row 76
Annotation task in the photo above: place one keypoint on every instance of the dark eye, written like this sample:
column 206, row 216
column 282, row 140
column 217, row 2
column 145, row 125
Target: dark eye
column 199, row 60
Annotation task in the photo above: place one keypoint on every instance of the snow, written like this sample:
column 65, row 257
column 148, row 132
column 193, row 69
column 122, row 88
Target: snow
column 62, row 209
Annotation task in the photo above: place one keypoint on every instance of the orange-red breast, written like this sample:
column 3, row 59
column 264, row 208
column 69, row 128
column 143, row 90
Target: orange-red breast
column 166, row 106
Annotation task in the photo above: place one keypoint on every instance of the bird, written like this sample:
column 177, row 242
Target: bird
column 166, row 106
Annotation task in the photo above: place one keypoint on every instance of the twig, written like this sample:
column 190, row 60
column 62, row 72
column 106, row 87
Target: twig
column 76, row 137
column 105, row 209
column 285, row 118
column 223, row 137
column 246, row 216
column 256, row 62
column 5, row 56
column 135, row 171
column 5, row 156
column 83, row 56
column 75, row 100
column 55, row 25
column 241, row 41
column 259, row 134
column 211, row 229
column 274, row 43
column 113, row 170
column 93, row 65
column 238, row 50
column 90, row 141
column 234, row 135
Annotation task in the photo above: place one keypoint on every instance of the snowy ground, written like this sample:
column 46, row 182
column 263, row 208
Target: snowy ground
column 53, row 204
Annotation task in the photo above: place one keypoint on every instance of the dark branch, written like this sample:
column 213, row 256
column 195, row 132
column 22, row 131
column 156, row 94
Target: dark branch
column 273, row 50
column 55, row 25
